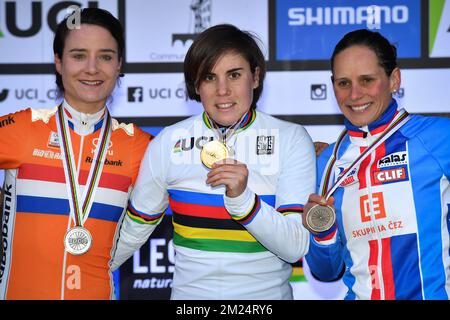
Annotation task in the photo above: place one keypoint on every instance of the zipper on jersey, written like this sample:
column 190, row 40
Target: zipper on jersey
column 378, row 268
column 64, row 266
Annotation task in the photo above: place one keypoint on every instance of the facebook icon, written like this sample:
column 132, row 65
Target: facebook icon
column 135, row 94
column 3, row 94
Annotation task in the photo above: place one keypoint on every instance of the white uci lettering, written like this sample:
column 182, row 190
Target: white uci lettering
column 346, row 15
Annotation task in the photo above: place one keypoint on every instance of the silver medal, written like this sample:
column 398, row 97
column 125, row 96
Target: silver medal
column 77, row 241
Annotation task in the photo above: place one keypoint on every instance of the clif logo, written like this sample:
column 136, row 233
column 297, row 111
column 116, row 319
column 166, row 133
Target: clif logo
column 391, row 175
column 378, row 211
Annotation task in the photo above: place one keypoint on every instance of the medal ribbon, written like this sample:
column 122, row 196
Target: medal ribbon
column 231, row 130
column 400, row 119
column 81, row 206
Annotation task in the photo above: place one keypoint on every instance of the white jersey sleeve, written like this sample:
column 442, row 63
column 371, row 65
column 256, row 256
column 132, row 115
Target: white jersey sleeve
column 280, row 229
column 147, row 204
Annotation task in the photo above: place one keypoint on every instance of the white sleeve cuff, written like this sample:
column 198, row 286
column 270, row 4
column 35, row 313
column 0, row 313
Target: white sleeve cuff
column 240, row 205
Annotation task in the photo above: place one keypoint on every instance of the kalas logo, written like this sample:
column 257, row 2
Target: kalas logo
column 201, row 10
column 11, row 16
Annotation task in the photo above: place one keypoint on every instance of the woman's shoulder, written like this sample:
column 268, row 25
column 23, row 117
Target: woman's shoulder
column 427, row 126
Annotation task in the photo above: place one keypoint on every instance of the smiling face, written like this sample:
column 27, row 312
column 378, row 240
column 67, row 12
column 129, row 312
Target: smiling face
column 89, row 67
column 227, row 91
column 361, row 86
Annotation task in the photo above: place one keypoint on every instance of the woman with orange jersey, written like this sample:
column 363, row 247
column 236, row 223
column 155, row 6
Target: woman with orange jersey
column 69, row 172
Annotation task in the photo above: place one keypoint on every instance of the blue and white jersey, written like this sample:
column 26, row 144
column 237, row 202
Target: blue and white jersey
column 392, row 212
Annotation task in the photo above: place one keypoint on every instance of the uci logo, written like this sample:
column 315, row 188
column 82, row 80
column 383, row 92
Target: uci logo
column 189, row 143
column 12, row 14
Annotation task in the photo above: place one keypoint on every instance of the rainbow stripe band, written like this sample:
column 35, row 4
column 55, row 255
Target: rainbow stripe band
column 217, row 245
column 66, row 146
column 81, row 210
column 247, row 120
column 290, row 209
column 249, row 216
column 97, row 169
column 143, row 218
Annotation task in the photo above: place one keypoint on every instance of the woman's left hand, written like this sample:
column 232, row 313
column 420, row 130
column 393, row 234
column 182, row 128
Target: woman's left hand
column 319, row 147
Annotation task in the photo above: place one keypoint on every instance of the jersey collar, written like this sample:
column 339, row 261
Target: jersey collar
column 247, row 121
column 83, row 123
column 375, row 127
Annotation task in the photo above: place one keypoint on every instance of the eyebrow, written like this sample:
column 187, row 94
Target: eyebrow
column 235, row 69
column 85, row 50
column 229, row 71
column 361, row 75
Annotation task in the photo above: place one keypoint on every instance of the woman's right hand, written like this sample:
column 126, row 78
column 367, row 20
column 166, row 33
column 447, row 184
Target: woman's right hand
column 313, row 200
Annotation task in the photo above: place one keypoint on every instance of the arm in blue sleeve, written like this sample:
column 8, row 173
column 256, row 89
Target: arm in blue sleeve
column 325, row 261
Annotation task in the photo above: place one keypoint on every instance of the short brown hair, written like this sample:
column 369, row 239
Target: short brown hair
column 210, row 45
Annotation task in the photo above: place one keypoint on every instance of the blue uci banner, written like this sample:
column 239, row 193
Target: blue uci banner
column 309, row 29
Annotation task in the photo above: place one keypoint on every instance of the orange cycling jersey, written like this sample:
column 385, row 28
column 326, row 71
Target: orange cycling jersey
column 36, row 217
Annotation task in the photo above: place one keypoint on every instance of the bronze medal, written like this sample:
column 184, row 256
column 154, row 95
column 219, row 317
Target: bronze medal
column 320, row 218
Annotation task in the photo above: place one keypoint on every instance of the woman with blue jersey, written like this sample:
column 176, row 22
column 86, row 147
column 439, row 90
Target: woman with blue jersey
column 387, row 178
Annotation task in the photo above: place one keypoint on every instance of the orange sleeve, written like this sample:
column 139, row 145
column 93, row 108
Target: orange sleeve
column 141, row 141
column 15, row 130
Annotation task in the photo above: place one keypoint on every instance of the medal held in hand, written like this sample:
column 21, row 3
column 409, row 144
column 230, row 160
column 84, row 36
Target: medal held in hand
column 77, row 241
column 217, row 150
column 212, row 152
column 321, row 218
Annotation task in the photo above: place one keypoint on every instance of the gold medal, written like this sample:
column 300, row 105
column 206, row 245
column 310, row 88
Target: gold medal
column 212, row 152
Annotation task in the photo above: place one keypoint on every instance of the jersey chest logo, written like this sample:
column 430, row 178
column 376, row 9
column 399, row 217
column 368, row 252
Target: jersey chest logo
column 265, row 145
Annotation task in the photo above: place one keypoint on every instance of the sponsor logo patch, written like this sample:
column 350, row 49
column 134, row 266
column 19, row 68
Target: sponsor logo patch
column 53, row 140
column 394, row 159
column 377, row 211
column 390, row 175
column 265, row 145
